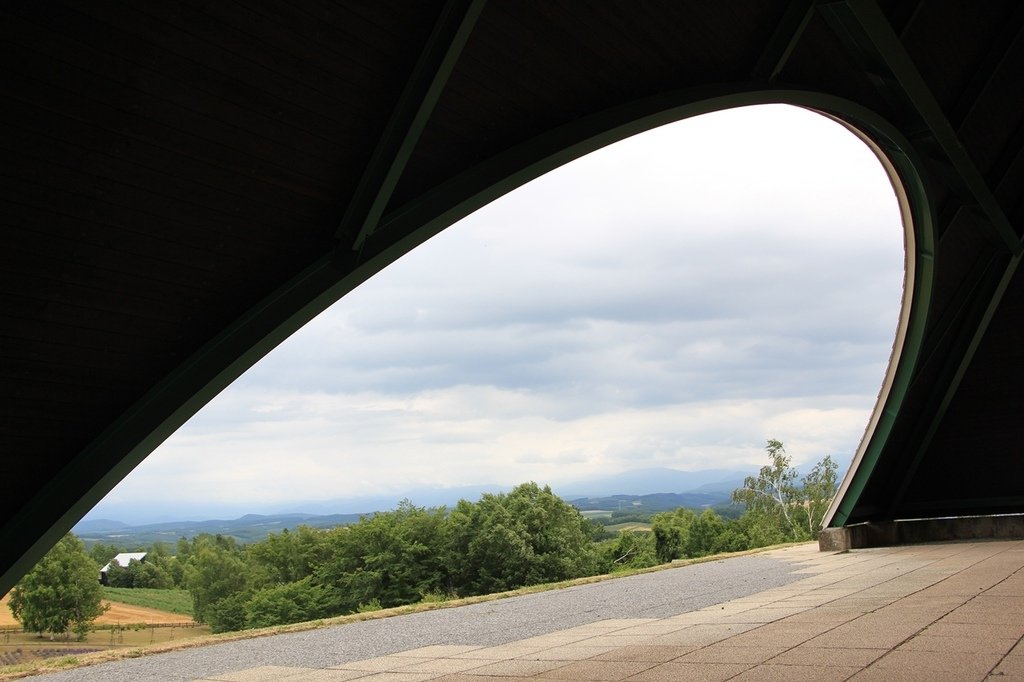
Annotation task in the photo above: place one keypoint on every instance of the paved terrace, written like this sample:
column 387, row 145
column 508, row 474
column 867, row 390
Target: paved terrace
column 924, row 612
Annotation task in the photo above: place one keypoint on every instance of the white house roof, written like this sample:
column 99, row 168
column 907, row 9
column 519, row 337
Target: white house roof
column 123, row 559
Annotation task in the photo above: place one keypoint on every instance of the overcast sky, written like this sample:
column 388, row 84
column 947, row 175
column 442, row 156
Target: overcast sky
column 673, row 300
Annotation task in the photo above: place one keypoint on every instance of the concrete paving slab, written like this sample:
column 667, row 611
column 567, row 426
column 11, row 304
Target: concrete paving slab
column 967, row 665
column 616, row 640
column 814, row 656
column 569, row 653
column 795, row 673
column 723, row 652
column 646, row 652
column 1010, row 668
column 500, row 653
column 973, row 631
column 383, row 663
column 699, row 672
column 766, row 614
column 460, row 677
column 655, row 628
column 517, row 668
column 438, row 650
column 331, row 676
column 398, row 677
column 445, row 665
column 267, row 673
column 597, row 671
column 992, row 645
column 780, row 634
column 703, row 634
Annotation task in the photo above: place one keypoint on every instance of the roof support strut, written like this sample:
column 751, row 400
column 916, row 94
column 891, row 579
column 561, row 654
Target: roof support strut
column 867, row 20
column 787, row 34
column 408, row 119
column 985, row 300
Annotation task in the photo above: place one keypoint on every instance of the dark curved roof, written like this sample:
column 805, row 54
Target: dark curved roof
column 186, row 183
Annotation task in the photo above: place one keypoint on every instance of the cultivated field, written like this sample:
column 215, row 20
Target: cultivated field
column 123, row 626
column 123, row 614
column 629, row 526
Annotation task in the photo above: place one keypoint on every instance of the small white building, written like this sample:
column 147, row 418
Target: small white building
column 122, row 559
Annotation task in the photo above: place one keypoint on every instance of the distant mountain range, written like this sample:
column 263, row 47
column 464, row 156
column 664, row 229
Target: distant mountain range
column 654, row 502
column 646, row 489
column 248, row 528
column 648, row 481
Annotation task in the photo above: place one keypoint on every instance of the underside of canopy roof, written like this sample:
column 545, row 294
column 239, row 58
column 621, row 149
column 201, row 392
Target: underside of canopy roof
column 186, row 183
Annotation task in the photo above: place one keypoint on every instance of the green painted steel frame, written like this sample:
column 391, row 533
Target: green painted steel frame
column 123, row 445
column 409, row 118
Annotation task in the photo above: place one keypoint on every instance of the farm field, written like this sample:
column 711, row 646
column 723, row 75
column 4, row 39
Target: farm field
column 123, row 626
column 119, row 613
column 177, row 601
column 19, row 648
column 629, row 526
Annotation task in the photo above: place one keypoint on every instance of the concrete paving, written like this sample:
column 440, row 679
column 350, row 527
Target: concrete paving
column 925, row 612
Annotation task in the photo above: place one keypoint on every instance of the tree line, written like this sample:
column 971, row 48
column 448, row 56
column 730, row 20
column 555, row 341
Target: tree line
column 414, row 554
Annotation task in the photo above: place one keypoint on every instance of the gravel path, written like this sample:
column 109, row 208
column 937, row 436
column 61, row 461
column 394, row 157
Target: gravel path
column 652, row 595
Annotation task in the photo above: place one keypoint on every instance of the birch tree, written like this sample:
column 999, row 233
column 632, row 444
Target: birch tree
column 778, row 497
column 773, row 492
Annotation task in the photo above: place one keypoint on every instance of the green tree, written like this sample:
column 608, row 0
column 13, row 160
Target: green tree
column 558, row 535
column 149, row 574
column 215, row 571
column 631, row 549
column 61, row 593
column 102, row 553
column 159, row 557
column 819, row 487
column 761, row 530
column 286, row 557
column 394, row 557
column 184, row 550
column 671, row 532
column 773, row 493
column 227, row 614
column 731, row 539
column 274, row 560
column 703, row 534
column 286, row 603
column 598, row 532
column 780, row 508
column 119, row 576
column 525, row 537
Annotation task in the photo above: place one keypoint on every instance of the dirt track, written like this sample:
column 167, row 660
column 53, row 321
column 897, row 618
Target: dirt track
column 119, row 613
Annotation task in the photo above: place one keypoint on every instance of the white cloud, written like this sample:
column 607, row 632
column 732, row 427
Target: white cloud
column 370, row 444
column 673, row 300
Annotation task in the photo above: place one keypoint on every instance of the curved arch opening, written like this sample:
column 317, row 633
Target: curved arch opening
column 504, row 380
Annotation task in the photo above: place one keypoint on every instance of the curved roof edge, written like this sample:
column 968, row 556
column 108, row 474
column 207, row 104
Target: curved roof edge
column 919, row 271
column 96, row 469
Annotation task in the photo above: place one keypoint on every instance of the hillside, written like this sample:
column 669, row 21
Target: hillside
column 654, row 502
column 245, row 529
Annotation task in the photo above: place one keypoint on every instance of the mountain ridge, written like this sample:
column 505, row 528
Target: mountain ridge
column 697, row 489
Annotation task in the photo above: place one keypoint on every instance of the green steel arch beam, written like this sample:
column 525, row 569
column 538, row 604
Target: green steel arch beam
column 96, row 469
